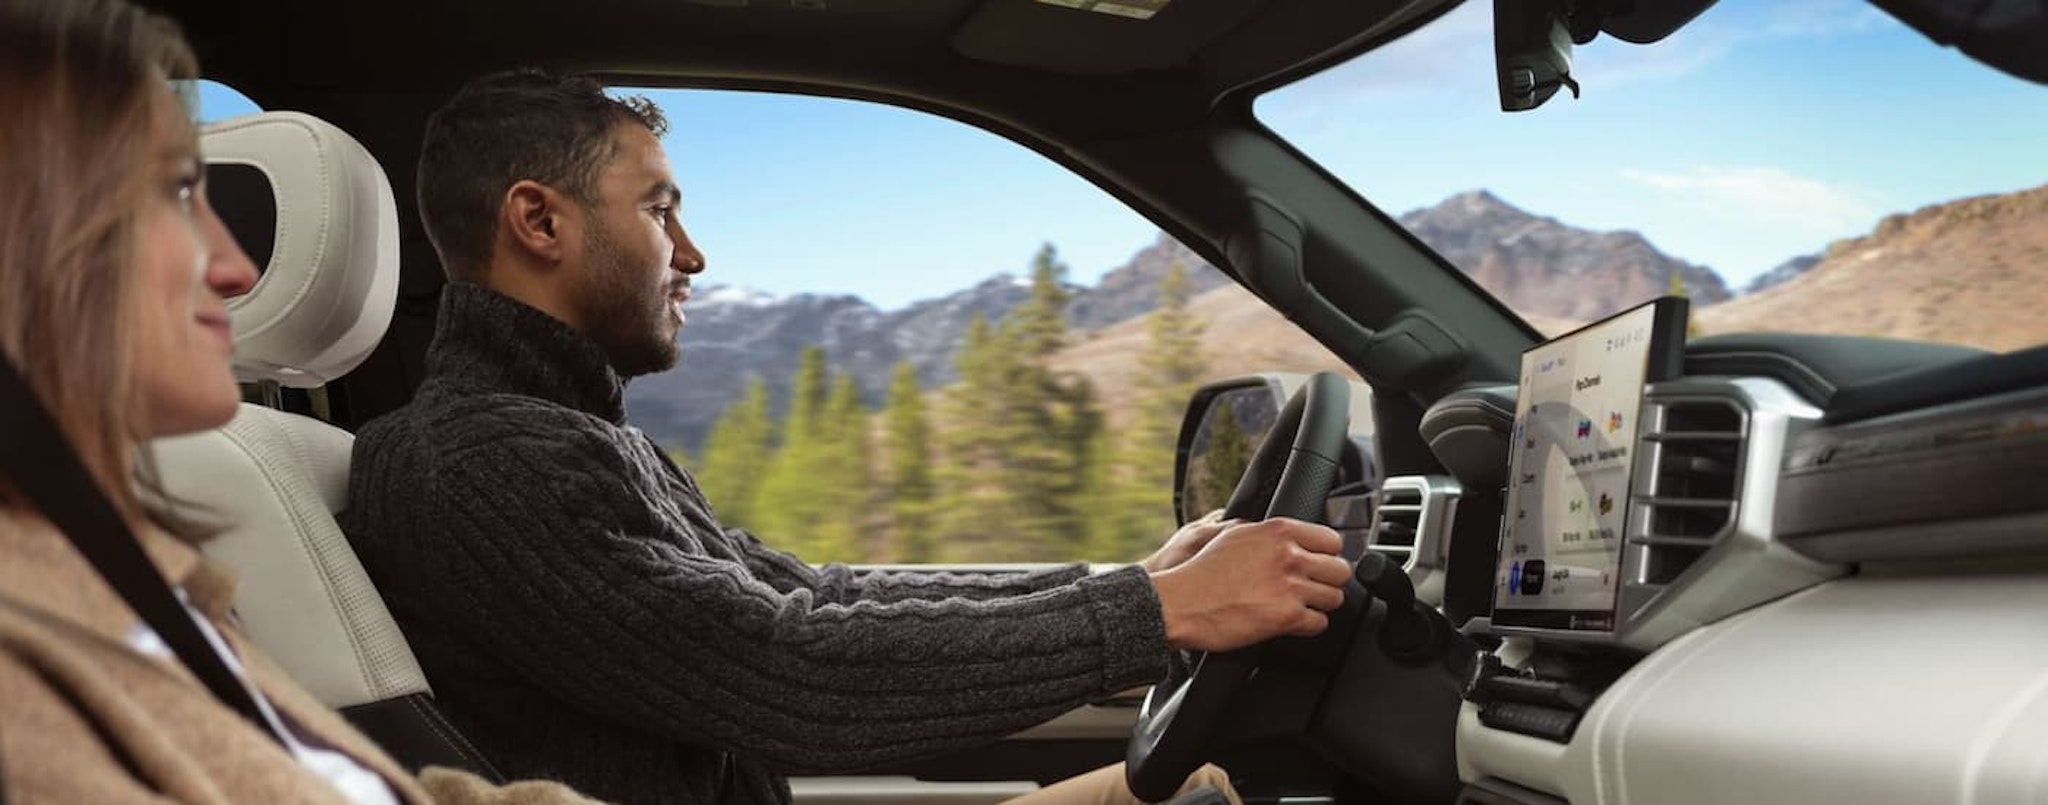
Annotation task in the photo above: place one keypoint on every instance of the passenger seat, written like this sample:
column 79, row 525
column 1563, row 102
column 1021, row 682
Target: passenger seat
column 313, row 208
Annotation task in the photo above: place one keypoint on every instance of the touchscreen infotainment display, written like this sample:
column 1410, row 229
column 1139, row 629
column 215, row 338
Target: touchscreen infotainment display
column 1569, row 467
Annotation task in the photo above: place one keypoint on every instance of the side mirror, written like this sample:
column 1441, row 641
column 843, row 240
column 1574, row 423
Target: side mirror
column 1225, row 423
column 1228, row 419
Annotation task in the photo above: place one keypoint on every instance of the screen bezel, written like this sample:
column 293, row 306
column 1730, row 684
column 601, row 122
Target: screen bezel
column 1665, row 360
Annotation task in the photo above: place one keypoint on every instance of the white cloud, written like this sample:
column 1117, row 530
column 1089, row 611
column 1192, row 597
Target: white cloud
column 1770, row 197
column 1821, row 18
column 1707, row 40
column 1610, row 65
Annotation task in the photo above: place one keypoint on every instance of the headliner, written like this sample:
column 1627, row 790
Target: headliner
column 1065, row 74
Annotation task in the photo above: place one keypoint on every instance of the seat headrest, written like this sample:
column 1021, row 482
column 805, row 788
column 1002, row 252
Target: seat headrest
column 316, row 213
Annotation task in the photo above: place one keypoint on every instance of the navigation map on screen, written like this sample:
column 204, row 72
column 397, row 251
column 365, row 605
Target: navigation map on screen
column 1569, row 470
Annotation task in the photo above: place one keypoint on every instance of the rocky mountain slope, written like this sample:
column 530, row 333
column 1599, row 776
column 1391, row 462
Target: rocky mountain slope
column 734, row 334
column 1973, row 271
column 1132, row 290
column 1782, row 273
column 1241, row 335
column 1538, row 265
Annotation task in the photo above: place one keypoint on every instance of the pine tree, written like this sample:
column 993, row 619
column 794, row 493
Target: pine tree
column 1043, row 424
column 908, row 446
column 736, row 454
column 807, row 395
column 1017, row 436
column 1171, row 367
column 840, row 487
column 1228, row 450
column 1038, row 328
column 785, row 507
column 968, row 521
column 1108, row 526
column 1078, row 428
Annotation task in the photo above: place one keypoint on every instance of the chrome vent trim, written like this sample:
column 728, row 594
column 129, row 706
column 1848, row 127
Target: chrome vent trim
column 1700, row 542
column 1411, row 523
column 1689, row 485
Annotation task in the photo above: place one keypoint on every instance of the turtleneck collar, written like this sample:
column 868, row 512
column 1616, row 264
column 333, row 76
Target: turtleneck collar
column 487, row 342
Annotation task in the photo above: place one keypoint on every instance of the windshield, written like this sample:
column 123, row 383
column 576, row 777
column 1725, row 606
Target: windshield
column 1791, row 166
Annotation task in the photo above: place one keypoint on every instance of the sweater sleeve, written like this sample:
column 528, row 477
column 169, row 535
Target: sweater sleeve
column 571, row 582
column 839, row 584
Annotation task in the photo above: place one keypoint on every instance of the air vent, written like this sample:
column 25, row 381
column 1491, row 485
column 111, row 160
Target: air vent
column 1687, row 500
column 1396, row 521
column 1699, row 544
column 1411, row 524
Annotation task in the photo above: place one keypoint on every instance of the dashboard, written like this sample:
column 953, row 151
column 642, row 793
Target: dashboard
column 1749, row 569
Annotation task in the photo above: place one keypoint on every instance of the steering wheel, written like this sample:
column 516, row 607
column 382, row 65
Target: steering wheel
column 1287, row 477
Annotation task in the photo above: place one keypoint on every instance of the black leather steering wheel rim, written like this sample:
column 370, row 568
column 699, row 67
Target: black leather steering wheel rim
column 1287, row 477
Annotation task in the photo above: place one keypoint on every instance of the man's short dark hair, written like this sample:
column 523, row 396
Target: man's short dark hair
column 504, row 128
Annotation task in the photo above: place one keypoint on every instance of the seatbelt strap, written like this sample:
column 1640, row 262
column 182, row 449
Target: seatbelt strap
column 36, row 460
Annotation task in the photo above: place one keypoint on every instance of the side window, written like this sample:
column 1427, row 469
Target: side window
column 918, row 342
column 218, row 101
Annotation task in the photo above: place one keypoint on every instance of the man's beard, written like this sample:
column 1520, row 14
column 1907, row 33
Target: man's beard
column 626, row 320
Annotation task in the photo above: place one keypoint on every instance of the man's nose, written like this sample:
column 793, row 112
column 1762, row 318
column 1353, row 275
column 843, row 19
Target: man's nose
column 686, row 257
column 689, row 260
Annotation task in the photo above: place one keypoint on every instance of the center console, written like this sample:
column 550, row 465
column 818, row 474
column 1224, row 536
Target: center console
column 1656, row 545
column 1637, row 506
column 1638, row 503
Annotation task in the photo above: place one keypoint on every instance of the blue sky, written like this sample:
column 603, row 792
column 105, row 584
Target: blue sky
column 1761, row 131
column 1765, row 130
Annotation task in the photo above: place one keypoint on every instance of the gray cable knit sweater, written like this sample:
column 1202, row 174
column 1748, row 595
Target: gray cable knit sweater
column 583, row 616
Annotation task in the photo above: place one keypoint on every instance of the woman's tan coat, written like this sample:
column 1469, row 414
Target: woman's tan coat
column 85, row 718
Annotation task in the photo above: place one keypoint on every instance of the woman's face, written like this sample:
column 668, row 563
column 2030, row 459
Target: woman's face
column 189, row 267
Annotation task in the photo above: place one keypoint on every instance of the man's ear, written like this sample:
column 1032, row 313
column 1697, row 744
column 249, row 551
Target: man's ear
column 531, row 217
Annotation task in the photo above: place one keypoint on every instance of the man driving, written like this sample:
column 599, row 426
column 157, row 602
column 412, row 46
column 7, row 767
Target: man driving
column 575, row 602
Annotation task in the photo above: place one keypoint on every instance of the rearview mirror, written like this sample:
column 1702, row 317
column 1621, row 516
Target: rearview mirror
column 1224, row 425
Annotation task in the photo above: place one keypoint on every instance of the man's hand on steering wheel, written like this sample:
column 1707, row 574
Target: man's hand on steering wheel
column 1251, row 583
column 1187, row 542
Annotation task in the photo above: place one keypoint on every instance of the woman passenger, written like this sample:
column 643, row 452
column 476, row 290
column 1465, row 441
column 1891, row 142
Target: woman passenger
column 113, row 276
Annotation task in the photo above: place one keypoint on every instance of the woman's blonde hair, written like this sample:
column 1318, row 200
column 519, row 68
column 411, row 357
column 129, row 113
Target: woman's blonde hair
column 80, row 81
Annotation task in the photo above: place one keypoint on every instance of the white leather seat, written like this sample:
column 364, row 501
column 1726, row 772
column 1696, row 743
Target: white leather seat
column 275, row 479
